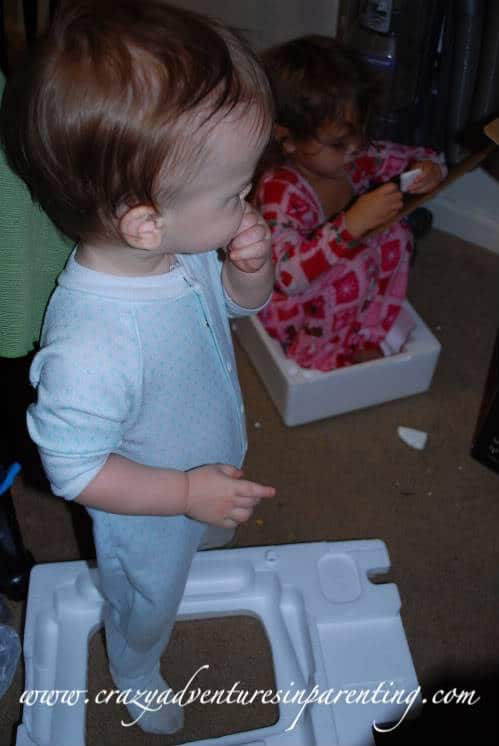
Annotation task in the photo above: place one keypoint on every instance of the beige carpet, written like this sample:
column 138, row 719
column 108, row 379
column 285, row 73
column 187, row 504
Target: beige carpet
column 349, row 478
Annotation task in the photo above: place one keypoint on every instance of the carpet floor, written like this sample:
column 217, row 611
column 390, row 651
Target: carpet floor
column 350, row 477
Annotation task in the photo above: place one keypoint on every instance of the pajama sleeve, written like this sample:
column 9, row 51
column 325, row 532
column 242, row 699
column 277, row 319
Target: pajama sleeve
column 300, row 256
column 231, row 309
column 235, row 311
column 383, row 160
column 81, row 411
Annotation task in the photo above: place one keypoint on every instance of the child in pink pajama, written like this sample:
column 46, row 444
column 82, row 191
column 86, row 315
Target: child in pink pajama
column 338, row 297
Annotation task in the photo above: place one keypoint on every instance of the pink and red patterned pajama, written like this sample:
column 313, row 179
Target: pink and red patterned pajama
column 334, row 295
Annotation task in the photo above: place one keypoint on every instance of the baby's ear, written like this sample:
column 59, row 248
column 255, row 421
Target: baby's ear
column 141, row 227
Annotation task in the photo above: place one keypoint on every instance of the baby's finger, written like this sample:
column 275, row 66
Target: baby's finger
column 243, row 501
column 227, row 523
column 254, row 253
column 253, row 489
column 248, row 222
column 239, row 515
column 231, row 471
column 249, row 236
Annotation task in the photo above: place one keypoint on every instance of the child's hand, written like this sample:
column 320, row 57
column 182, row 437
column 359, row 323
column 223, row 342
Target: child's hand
column 217, row 494
column 429, row 178
column 250, row 247
column 373, row 209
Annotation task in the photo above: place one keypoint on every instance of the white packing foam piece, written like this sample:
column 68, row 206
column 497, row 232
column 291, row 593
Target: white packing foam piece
column 329, row 626
column 408, row 178
column 413, row 438
column 306, row 395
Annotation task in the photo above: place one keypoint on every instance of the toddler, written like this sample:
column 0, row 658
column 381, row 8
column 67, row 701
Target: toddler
column 138, row 126
column 338, row 294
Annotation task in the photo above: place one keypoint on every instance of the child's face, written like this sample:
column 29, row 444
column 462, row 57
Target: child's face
column 208, row 211
column 325, row 154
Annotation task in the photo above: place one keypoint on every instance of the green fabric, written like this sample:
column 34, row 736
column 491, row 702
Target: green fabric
column 32, row 254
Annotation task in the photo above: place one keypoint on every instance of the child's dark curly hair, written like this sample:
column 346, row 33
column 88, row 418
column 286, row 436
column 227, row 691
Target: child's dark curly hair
column 315, row 79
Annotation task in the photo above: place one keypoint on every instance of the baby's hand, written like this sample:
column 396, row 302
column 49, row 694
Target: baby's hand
column 429, row 178
column 374, row 208
column 250, row 249
column 217, row 494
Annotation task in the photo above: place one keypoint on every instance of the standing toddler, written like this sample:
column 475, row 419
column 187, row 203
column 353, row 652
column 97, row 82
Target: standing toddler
column 137, row 126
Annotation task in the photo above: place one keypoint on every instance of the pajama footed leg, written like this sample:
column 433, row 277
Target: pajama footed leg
column 144, row 563
column 146, row 703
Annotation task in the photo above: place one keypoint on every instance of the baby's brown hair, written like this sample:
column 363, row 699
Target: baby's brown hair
column 116, row 95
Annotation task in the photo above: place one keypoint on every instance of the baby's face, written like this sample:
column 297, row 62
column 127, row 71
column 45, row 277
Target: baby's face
column 208, row 211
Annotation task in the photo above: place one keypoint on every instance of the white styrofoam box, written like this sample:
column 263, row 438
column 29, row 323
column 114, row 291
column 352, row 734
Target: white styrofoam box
column 468, row 208
column 305, row 395
column 329, row 627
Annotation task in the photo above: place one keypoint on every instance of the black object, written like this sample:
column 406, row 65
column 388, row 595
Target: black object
column 30, row 17
column 420, row 222
column 30, row 12
column 16, row 445
column 15, row 561
column 401, row 42
column 485, row 445
column 437, row 62
column 3, row 40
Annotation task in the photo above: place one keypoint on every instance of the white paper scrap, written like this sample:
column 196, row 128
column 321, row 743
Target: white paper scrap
column 414, row 438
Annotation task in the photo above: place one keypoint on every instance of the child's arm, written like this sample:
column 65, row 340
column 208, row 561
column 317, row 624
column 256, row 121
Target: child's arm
column 373, row 209
column 382, row 161
column 301, row 256
column 214, row 494
column 248, row 274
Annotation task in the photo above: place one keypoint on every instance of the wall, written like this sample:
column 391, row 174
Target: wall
column 264, row 22
column 267, row 22
column 468, row 208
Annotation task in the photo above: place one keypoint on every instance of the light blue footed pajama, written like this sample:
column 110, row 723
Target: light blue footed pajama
column 142, row 367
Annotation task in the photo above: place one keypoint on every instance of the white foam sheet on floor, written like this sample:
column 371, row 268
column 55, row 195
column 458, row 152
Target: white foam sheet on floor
column 329, row 628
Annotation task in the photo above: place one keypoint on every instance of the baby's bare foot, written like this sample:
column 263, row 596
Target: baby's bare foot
column 363, row 356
